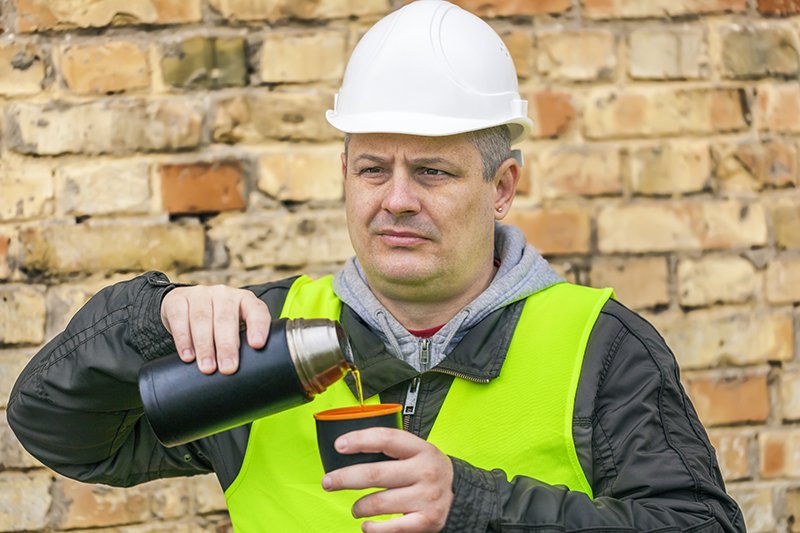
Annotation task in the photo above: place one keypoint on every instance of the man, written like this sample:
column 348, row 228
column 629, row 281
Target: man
column 529, row 404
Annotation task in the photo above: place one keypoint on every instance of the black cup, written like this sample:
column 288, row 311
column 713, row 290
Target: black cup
column 333, row 423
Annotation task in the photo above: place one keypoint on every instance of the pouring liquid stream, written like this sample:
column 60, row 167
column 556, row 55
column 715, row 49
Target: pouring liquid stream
column 359, row 389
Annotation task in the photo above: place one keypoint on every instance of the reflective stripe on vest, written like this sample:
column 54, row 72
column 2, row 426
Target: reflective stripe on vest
column 520, row 422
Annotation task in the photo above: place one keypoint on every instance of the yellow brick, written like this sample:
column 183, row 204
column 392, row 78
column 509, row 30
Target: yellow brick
column 101, row 68
column 106, row 126
column 757, row 506
column 783, row 280
column 519, row 42
column 638, row 283
column 577, row 55
column 602, row 9
column 733, row 453
column 786, row 223
column 103, row 188
column 170, row 498
column 22, row 69
column 87, row 505
column 651, row 112
column 301, row 173
column 41, row 15
column 282, row 239
column 675, row 168
column 24, row 500
column 790, row 394
column 209, row 495
column 27, row 189
column 272, row 10
column 302, row 57
column 22, row 314
column 750, row 167
column 125, row 247
column 668, row 226
column 667, row 53
column 297, row 115
column 579, row 171
column 12, row 362
column 723, row 279
column 12, row 454
column 708, row 338
column 779, row 108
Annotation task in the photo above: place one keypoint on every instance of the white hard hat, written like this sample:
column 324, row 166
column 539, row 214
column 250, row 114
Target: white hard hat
column 430, row 68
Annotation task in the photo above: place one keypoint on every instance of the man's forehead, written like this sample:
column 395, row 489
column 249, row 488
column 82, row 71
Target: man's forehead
column 391, row 145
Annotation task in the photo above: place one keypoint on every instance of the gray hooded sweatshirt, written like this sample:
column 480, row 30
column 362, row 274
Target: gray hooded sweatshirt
column 522, row 272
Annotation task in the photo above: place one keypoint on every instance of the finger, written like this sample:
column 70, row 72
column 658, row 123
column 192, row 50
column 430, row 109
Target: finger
column 409, row 523
column 175, row 315
column 392, row 442
column 380, row 474
column 226, row 329
column 256, row 316
column 391, row 501
column 201, row 328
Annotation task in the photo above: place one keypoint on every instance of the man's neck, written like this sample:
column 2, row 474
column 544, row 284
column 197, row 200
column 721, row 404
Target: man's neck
column 418, row 314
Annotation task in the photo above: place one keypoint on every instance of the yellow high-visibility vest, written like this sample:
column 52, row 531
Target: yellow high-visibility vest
column 520, row 422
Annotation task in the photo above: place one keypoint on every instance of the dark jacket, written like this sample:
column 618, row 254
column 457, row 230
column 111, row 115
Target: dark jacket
column 76, row 407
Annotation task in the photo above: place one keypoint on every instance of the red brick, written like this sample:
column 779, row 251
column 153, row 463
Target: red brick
column 557, row 230
column 202, row 187
column 779, row 453
column 779, row 7
column 5, row 271
column 552, row 113
column 722, row 401
column 507, row 8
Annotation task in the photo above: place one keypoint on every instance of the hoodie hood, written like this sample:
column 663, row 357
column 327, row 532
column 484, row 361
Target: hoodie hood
column 522, row 272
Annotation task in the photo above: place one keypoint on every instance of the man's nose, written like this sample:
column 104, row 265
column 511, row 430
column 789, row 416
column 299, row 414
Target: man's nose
column 401, row 196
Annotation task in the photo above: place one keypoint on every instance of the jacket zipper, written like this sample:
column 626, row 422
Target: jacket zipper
column 461, row 375
column 410, row 405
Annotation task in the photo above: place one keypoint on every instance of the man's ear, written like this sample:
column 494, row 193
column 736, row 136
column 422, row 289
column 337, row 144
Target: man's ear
column 505, row 186
column 344, row 165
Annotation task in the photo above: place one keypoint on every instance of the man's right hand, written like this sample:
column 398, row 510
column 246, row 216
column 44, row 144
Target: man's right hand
column 204, row 322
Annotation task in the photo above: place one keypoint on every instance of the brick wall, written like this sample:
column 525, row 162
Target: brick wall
column 188, row 136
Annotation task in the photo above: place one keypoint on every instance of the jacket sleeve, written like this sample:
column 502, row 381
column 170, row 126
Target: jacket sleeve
column 76, row 406
column 650, row 465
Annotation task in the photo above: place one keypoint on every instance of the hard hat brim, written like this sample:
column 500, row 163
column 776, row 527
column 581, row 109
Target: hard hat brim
column 422, row 124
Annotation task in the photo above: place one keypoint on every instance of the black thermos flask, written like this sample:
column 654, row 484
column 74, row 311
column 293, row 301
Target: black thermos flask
column 301, row 359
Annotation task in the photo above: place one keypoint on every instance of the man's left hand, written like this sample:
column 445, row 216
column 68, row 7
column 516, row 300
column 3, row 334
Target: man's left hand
column 418, row 484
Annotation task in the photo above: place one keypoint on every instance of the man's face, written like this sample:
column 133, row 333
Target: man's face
column 419, row 213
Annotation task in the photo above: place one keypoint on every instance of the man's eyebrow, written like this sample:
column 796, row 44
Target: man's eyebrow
column 370, row 157
column 421, row 161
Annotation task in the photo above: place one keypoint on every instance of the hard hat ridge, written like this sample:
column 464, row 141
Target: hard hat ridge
column 430, row 68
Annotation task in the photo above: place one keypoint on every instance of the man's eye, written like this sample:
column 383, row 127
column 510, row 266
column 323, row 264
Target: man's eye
column 369, row 170
column 434, row 172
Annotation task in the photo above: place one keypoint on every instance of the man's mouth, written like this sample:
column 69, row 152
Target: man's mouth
column 400, row 238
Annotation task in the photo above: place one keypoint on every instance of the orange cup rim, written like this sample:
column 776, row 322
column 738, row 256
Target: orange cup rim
column 358, row 411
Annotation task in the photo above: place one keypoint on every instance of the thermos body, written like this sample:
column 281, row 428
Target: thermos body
column 301, row 359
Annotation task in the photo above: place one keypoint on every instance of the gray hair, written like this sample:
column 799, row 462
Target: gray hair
column 494, row 145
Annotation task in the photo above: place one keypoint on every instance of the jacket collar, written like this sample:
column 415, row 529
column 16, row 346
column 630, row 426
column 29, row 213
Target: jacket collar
column 479, row 355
